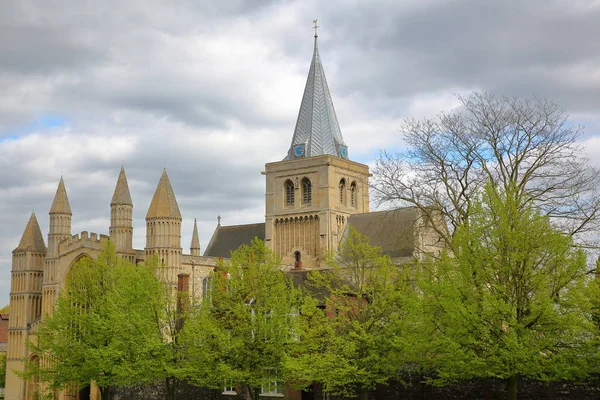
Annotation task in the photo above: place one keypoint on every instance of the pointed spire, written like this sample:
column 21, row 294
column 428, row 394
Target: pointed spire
column 60, row 205
column 195, row 246
column 121, row 195
column 32, row 239
column 163, row 202
column 317, row 130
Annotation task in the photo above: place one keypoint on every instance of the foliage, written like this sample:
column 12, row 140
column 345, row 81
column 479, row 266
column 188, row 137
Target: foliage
column 103, row 327
column 240, row 332
column 350, row 345
column 525, row 145
column 512, row 300
column 2, row 370
column 5, row 309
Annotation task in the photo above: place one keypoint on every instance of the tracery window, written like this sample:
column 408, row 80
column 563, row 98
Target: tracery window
column 289, row 193
column 343, row 191
column 353, row 194
column 306, row 191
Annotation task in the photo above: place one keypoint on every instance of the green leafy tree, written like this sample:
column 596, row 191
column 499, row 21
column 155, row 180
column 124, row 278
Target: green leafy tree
column 350, row 344
column 103, row 327
column 2, row 370
column 512, row 300
column 5, row 309
column 238, row 336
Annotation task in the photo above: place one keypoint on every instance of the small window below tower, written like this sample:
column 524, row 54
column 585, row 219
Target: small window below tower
column 353, row 194
column 343, row 191
column 289, row 193
column 306, row 191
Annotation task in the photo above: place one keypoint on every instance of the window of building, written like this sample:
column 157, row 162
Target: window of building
column 353, row 194
column 306, row 191
column 229, row 388
column 205, row 287
column 272, row 385
column 289, row 193
column 343, row 191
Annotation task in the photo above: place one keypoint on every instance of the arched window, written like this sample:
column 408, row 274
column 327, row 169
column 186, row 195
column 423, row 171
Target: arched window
column 343, row 191
column 205, row 286
column 289, row 193
column 306, row 191
column 353, row 194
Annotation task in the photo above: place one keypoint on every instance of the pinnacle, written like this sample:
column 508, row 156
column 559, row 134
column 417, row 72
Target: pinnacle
column 317, row 130
column 163, row 202
column 195, row 239
column 60, row 205
column 32, row 239
column 121, row 195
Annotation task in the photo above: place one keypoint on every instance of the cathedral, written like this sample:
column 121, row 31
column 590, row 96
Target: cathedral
column 311, row 196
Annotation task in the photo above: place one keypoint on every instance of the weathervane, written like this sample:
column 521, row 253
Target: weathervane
column 315, row 27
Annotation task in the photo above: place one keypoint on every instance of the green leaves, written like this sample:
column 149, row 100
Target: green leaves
column 103, row 328
column 512, row 300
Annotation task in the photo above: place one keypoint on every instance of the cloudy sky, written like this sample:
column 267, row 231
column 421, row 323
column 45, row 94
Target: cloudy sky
column 211, row 90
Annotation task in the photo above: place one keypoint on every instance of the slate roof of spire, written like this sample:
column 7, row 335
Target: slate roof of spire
column 317, row 128
column 163, row 202
column 32, row 239
column 195, row 239
column 121, row 195
column 60, row 205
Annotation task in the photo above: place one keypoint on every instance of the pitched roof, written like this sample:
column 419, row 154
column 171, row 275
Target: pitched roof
column 195, row 239
column 317, row 127
column 60, row 205
column 121, row 195
column 393, row 231
column 32, row 239
column 163, row 202
column 225, row 239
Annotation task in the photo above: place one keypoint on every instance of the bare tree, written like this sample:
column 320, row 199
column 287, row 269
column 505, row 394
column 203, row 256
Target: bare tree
column 527, row 144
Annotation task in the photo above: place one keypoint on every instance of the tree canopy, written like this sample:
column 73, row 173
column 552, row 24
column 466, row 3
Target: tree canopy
column 103, row 327
column 238, row 336
column 513, row 299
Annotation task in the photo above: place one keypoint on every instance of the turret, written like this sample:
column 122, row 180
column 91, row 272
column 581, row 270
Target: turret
column 121, row 218
column 25, row 299
column 60, row 219
column 163, row 229
column 195, row 245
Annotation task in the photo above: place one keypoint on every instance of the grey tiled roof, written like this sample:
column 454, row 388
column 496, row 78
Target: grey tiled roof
column 225, row 239
column 393, row 231
column 317, row 126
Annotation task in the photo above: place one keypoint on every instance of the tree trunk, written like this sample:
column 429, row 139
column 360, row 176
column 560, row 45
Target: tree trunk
column 171, row 386
column 512, row 387
column 363, row 394
column 105, row 392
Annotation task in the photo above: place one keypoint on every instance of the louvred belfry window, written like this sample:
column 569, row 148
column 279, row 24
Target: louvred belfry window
column 306, row 191
column 289, row 193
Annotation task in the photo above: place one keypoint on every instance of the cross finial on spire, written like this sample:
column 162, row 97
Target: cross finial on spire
column 218, row 220
column 315, row 27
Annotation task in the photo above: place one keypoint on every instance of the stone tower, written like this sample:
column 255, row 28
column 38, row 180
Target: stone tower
column 121, row 215
column 311, row 193
column 195, row 245
column 163, row 230
column 60, row 229
column 25, row 297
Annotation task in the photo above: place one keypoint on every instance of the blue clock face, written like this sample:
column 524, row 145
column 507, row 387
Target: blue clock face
column 344, row 152
column 299, row 150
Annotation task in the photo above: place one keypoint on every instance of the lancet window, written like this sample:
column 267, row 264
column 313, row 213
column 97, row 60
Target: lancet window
column 306, row 191
column 289, row 193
